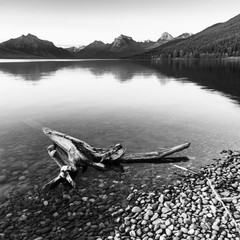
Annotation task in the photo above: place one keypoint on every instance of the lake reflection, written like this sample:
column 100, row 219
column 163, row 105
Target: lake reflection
column 142, row 105
column 223, row 76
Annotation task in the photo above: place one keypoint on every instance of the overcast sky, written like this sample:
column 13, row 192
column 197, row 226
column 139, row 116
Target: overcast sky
column 79, row 22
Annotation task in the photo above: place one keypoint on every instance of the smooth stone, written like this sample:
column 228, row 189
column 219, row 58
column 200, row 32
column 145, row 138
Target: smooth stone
column 184, row 230
column 22, row 218
column 191, row 231
column 132, row 233
column 144, row 222
column 139, row 232
column 165, row 210
column 161, row 198
column 66, row 196
column 15, row 173
column 55, row 214
column 127, row 222
column 8, row 215
column 178, row 233
column 133, row 220
column 167, row 222
column 136, row 209
column 3, row 178
column 225, row 193
column 130, row 196
column 150, row 234
column 149, row 212
column 21, row 178
column 154, row 217
column 236, row 215
column 168, row 231
column 171, row 227
column 43, row 230
column 146, row 229
column 85, row 199
column 157, row 221
column 146, row 217
column 156, row 227
column 204, row 189
column 25, row 172
column 215, row 227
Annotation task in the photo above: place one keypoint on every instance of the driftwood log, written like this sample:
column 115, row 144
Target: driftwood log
column 72, row 155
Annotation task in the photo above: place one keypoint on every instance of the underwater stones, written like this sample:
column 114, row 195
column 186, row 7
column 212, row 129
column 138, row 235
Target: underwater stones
column 22, row 178
column 2, row 178
column 183, row 210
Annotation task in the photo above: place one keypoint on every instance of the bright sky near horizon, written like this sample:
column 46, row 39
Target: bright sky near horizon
column 80, row 22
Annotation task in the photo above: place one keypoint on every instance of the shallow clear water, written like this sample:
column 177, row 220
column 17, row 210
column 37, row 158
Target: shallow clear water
column 144, row 106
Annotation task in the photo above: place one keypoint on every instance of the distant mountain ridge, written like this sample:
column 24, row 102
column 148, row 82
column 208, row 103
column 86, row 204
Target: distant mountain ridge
column 29, row 46
column 217, row 41
column 74, row 49
column 123, row 46
column 165, row 38
column 184, row 35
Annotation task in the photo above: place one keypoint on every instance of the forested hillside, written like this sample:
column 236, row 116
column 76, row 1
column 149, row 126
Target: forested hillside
column 217, row 41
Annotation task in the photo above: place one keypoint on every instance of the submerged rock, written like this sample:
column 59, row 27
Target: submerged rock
column 3, row 178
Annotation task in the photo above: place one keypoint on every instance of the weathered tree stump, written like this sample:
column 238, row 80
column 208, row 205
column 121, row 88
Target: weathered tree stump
column 72, row 155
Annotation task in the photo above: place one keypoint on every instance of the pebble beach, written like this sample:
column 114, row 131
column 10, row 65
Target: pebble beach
column 201, row 205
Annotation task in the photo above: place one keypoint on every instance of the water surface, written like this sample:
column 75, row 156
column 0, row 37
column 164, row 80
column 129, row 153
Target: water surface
column 144, row 106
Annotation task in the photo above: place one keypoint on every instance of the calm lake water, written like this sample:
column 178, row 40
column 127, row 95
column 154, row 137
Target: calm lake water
column 144, row 106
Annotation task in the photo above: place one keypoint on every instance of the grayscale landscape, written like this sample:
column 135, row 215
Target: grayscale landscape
column 119, row 120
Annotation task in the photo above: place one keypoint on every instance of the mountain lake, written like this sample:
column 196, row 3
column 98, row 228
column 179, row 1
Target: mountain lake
column 142, row 105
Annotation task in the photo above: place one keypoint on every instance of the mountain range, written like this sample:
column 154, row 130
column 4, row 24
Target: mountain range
column 30, row 46
column 122, row 47
column 217, row 41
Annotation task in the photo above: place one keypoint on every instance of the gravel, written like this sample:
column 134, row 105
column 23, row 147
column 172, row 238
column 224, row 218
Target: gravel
column 185, row 209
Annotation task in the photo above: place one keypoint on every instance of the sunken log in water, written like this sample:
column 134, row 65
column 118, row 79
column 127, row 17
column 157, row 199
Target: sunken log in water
column 72, row 155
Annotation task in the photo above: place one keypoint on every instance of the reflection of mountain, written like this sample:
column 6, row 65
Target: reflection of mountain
column 223, row 76
column 122, row 70
column 32, row 71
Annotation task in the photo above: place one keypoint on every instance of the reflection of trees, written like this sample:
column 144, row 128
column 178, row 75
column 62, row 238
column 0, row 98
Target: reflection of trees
column 223, row 76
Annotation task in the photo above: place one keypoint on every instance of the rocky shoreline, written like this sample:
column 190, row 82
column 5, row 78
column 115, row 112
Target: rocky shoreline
column 188, row 208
